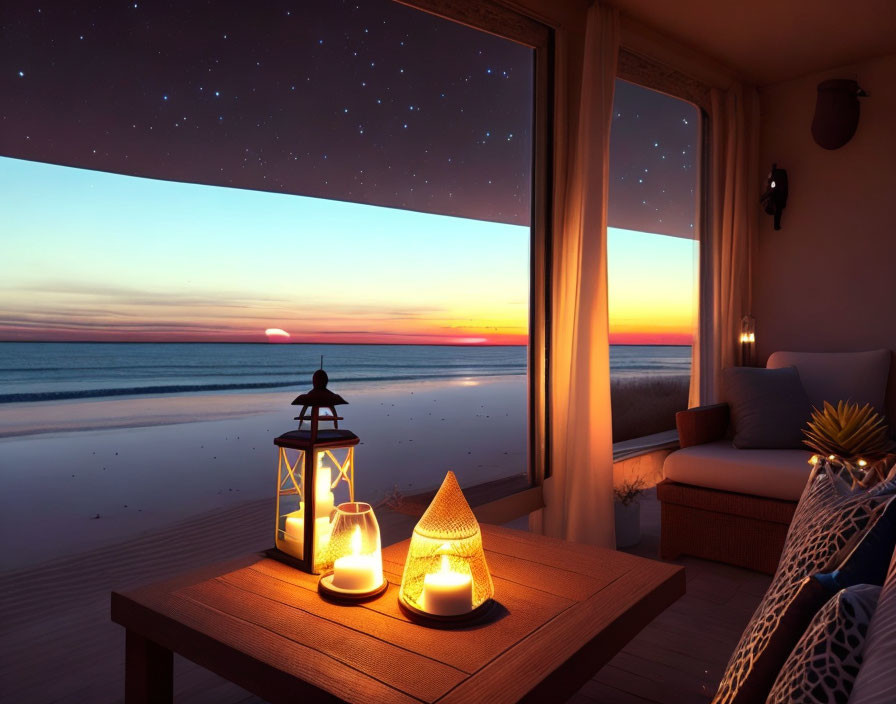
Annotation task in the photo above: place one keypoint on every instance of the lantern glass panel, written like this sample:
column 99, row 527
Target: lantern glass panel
column 331, row 477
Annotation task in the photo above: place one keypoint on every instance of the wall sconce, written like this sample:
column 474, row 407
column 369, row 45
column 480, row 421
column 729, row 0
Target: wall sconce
column 446, row 579
column 774, row 199
column 747, row 341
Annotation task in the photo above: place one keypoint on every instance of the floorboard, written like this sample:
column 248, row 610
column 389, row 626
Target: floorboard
column 680, row 657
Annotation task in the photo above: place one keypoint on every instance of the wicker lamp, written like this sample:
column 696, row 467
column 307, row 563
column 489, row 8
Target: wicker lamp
column 446, row 578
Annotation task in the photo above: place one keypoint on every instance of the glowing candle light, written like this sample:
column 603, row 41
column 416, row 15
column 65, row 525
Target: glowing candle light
column 446, row 592
column 323, row 497
column 357, row 572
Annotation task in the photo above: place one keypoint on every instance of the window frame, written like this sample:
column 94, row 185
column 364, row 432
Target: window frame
column 494, row 18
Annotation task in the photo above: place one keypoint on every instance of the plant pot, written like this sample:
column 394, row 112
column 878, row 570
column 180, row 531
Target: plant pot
column 628, row 524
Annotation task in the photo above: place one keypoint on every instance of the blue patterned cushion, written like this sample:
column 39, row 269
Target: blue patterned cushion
column 876, row 683
column 829, row 514
column 822, row 668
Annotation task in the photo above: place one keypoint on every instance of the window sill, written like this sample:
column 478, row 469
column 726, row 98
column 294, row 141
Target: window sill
column 635, row 447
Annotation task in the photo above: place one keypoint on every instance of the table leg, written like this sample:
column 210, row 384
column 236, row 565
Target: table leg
column 148, row 671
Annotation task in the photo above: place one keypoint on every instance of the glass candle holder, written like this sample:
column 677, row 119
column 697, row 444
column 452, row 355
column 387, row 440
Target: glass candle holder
column 355, row 552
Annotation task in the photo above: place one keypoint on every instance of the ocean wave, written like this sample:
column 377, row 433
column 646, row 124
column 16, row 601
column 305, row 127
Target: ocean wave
column 300, row 385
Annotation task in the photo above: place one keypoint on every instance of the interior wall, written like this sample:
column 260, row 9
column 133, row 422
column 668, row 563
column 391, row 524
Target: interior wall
column 827, row 280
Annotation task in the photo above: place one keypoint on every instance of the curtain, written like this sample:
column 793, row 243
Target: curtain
column 728, row 245
column 579, row 493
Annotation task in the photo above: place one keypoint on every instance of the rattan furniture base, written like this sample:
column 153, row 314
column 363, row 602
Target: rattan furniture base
column 737, row 529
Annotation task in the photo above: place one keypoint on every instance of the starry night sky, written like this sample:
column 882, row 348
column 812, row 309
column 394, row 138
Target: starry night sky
column 366, row 101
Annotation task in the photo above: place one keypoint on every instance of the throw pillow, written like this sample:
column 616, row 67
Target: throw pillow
column 876, row 683
column 769, row 407
column 823, row 666
column 827, row 517
column 838, row 376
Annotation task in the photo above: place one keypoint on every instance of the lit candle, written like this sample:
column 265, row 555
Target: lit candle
column 295, row 529
column 446, row 592
column 357, row 572
column 323, row 497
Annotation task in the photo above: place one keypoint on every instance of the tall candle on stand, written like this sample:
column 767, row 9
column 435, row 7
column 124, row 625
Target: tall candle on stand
column 323, row 496
column 323, row 507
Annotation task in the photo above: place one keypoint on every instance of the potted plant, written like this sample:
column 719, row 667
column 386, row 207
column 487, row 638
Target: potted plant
column 628, row 512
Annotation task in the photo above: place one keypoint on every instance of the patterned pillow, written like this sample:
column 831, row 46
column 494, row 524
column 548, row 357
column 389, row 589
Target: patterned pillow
column 876, row 683
column 823, row 666
column 829, row 514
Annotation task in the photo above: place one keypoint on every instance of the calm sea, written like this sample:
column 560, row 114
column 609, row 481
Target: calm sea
column 46, row 371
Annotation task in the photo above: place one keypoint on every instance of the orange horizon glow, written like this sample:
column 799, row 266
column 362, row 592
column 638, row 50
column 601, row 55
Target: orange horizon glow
column 211, row 264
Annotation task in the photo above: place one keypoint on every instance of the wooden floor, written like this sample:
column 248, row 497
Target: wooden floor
column 679, row 658
column 57, row 643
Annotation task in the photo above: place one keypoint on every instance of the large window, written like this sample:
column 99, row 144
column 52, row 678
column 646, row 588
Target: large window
column 652, row 257
column 198, row 207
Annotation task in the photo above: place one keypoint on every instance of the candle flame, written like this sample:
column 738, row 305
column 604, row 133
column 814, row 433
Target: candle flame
column 356, row 541
column 446, row 566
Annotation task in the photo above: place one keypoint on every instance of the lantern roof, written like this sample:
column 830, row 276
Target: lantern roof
column 305, row 439
column 320, row 395
column 449, row 516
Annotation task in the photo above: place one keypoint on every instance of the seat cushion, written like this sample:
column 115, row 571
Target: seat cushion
column 839, row 376
column 876, row 682
column 775, row 474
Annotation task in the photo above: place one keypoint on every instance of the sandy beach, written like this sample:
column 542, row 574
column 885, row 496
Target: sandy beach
column 142, row 464
column 183, row 481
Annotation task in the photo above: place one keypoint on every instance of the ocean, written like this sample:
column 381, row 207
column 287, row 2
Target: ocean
column 57, row 371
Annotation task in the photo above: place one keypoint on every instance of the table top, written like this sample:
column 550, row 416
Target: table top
column 563, row 610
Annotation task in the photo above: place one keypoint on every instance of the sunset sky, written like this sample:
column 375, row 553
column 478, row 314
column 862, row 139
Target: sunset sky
column 96, row 256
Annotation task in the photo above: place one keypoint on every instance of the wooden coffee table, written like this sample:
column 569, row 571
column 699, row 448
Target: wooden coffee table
column 563, row 611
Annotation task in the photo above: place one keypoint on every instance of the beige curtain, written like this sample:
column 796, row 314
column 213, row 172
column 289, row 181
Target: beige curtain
column 729, row 243
column 579, row 492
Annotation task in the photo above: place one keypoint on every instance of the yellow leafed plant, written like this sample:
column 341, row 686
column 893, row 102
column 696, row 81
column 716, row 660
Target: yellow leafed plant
column 848, row 431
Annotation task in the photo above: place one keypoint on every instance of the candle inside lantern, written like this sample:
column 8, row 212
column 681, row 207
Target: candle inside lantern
column 295, row 529
column 323, row 496
column 446, row 592
column 357, row 572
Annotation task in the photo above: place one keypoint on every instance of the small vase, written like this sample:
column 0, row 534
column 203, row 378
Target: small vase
column 628, row 524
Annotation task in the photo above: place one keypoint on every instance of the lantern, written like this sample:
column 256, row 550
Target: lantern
column 313, row 466
column 446, row 578
column 355, row 552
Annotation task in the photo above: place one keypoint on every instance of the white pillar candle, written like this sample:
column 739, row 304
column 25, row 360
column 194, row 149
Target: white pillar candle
column 324, row 500
column 446, row 592
column 357, row 572
column 295, row 530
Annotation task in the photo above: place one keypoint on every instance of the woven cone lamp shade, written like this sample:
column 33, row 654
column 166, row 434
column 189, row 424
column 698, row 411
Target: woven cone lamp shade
column 445, row 573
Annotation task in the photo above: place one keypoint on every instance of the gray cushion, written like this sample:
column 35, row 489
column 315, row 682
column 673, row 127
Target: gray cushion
column 839, row 376
column 769, row 407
